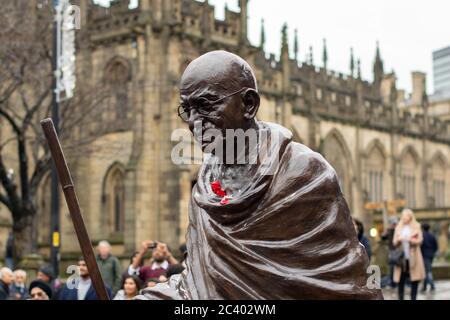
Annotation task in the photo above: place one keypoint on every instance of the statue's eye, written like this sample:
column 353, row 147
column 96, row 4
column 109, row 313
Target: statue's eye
column 204, row 105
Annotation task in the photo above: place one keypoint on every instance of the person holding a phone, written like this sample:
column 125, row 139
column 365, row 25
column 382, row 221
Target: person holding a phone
column 161, row 259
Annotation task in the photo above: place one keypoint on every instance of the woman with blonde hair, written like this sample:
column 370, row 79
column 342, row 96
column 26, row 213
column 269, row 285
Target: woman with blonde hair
column 408, row 238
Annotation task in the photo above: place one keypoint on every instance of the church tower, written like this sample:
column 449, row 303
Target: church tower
column 243, row 4
column 378, row 70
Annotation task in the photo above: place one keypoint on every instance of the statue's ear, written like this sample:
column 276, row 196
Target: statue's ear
column 251, row 101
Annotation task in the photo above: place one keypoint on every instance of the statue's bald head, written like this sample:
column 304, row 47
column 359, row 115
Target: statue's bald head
column 218, row 89
column 219, row 70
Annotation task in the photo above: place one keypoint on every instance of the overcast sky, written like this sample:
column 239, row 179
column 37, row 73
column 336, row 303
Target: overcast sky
column 408, row 31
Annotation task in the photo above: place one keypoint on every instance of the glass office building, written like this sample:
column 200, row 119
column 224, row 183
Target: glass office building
column 441, row 72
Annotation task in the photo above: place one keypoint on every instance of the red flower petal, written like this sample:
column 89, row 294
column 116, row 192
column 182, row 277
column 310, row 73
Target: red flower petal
column 224, row 200
column 216, row 186
column 221, row 193
column 217, row 189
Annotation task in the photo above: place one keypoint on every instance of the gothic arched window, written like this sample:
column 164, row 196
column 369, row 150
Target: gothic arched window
column 114, row 199
column 117, row 77
column 336, row 152
column 409, row 177
column 374, row 168
column 438, row 185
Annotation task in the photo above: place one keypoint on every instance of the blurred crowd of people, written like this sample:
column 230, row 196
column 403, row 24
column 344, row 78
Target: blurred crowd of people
column 120, row 284
column 412, row 248
column 411, row 251
column 13, row 284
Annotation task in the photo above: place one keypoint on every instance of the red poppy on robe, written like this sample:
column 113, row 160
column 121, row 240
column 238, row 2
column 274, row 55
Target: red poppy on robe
column 217, row 189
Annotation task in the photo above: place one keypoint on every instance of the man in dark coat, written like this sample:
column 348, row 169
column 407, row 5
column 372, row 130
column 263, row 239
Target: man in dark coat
column 109, row 266
column 429, row 248
column 275, row 227
column 18, row 289
column 388, row 236
column 6, row 278
column 359, row 228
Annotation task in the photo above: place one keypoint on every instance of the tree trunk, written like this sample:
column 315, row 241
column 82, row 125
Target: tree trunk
column 24, row 236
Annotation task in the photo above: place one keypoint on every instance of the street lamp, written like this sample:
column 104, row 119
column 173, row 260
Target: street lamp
column 67, row 19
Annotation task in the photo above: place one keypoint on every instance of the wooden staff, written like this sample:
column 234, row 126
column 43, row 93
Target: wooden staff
column 74, row 207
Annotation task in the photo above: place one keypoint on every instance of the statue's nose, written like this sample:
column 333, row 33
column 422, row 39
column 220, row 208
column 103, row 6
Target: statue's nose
column 194, row 116
column 195, row 124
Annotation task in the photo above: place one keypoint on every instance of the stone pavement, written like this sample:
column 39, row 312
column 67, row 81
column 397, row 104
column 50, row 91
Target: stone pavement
column 442, row 292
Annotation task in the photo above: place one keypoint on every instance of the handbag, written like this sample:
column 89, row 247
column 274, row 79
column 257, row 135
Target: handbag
column 396, row 256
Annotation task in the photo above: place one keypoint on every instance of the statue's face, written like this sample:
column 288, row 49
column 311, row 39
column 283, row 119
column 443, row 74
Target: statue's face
column 212, row 94
column 222, row 115
column 216, row 93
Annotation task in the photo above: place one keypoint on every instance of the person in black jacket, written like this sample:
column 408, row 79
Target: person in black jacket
column 359, row 227
column 6, row 278
column 429, row 248
column 40, row 290
column 388, row 236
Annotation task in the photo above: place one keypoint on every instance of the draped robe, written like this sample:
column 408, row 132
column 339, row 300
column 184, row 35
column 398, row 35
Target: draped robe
column 288, row 235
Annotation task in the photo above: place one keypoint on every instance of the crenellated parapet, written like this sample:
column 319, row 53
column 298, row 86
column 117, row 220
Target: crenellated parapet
column 188, row 17
column 112, row 24
column 311, row 90
column 198, row 20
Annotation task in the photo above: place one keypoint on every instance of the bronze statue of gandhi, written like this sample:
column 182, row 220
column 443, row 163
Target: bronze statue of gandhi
column 283, row 233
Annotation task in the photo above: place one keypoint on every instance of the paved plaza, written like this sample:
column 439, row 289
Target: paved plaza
column 442, row 292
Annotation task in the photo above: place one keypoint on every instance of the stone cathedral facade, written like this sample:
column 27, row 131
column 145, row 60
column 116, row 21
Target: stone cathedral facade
column 129, row 188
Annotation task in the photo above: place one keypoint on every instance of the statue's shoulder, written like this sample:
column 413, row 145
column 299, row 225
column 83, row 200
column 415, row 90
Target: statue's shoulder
column 305, row 166
column 295, row 155
column 299, row 153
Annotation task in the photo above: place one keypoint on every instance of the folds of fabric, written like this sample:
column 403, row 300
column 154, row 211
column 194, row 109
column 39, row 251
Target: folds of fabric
column 288, row 235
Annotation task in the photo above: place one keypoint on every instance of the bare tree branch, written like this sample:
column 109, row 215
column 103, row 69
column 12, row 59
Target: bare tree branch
column 25, row 89
column 8, row 92
column 5, row 201
column 35, row 108
column 11, row 121
column 23, row 99
column 13, row 111
column 42, row 166
column 12, row 139
column 9, row 186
